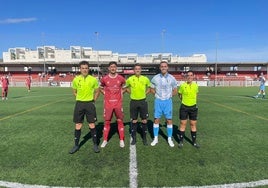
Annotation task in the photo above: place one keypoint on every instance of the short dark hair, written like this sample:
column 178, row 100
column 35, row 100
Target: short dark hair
column 112, row 63
column 137, row 65
column 189, row 71
column 163, row 62
column 84, row 63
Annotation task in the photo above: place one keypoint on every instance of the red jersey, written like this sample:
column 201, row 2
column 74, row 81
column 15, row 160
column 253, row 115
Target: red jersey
column 28, row 81
column 113, row 90
column 4, row 82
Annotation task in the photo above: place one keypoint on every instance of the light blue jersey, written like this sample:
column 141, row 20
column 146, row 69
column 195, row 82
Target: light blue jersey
column 262, row 87
column 262, row 83
column 163, row 86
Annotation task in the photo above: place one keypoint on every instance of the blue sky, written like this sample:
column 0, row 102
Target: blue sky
column 224, row 30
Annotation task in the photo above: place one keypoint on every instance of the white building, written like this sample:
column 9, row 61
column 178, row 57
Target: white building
column 79, row 53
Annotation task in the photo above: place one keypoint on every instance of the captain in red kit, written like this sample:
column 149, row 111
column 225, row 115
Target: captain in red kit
column 112, row 87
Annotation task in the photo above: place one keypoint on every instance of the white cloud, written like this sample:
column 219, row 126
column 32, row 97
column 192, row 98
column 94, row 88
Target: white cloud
column 17, row 20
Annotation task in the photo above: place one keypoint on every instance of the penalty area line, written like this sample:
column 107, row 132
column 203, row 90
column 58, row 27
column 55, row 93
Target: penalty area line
column 30, row 110
column 235, row 109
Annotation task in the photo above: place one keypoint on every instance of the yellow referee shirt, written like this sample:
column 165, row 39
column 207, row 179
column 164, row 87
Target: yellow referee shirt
column 85, row 87
column 189, row 93
column 138, row 86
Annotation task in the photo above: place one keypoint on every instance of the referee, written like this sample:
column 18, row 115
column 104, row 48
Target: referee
column 188, row 95
column 86, row 91
column 138, row 86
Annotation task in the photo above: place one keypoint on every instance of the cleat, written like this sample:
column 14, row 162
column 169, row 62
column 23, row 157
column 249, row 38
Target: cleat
column 96, row 148
column 145, row 142
column 170, row 142
column 104, row 143
column 155, row 141
column 180, row 145
column 74, row 149
column 133, row 142
column 196, row 145
column 121, row 144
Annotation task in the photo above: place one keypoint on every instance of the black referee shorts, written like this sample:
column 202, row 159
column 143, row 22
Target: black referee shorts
column 138, row 107
column 83, row 109
column 188, row 112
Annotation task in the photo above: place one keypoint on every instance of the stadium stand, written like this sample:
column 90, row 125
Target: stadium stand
column 49, row 65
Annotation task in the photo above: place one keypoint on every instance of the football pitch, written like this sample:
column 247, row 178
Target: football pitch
column 37, row 134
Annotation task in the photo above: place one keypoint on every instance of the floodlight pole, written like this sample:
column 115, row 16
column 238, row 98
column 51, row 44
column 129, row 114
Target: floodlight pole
column 98, row 63
column 266, row 70
column 216, row 61
column 163, row 42
column 44, row 55
column 44, row 59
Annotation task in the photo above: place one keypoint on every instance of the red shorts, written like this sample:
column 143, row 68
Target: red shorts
column 4, row 89
column 108, row 113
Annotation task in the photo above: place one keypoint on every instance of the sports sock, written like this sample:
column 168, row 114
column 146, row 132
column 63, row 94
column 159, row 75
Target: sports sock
column 181, row 135
column 169, row 130
column 156, row 129
column 106, row 130
column 77, row 134
column 120, row 125
column 193, row 134
column 94, row 135
column 144, row 130
column 133, row 129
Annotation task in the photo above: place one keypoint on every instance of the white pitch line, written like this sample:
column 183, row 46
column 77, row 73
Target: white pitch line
column 133, row 168
column 234, row 185
column 134, row 183
column 20, row 185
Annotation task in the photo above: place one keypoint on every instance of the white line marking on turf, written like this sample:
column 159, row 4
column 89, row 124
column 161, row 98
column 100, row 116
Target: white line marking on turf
column 232, row 185
column 38, row 96
column 19, row 185
column 133, row 168
column 31, row 109
column 133, row 174
column 236, row 110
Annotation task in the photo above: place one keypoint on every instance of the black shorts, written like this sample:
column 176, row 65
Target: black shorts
column 83, row 109
column 138, row 107
column 188, row 112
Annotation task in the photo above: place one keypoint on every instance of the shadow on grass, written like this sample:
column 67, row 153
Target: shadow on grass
column 114, row 130
column 140, row 131
column 250, row 96
column 163, row 134
column 247, row 96
column 99, row 129
column 176, row 136
column 85, row 139
column 150, row 123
